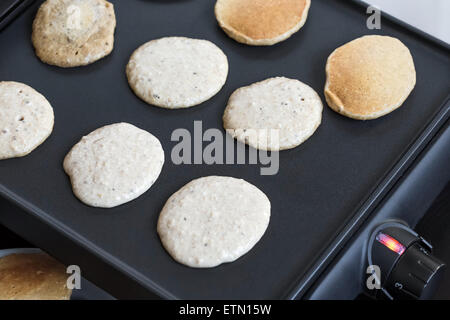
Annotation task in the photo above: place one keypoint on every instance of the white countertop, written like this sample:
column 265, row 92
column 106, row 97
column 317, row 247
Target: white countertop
column 431, row 16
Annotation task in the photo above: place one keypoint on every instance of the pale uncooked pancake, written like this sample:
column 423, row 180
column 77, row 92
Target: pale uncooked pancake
column 369, row 77
column 213, row 220
column 261, row 22
column 32, row 276
column 26, row 119
column 114, row 164
column 177, row 72
column 285, row 107
column 70, row 33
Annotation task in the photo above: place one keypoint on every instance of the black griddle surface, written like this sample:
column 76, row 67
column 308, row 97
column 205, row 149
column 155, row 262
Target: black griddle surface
column 320, row 185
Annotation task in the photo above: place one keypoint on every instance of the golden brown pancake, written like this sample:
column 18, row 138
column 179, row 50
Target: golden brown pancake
column 71, row 33
column 261, row 22
column 369, row 77
column 32, row 276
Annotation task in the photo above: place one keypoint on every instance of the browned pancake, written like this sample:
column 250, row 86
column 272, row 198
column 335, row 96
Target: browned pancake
column 369, row 77
column 70, row 33
column 261, row 22
column 32, row 276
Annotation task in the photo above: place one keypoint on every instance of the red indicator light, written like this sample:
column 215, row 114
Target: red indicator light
column 391, row 243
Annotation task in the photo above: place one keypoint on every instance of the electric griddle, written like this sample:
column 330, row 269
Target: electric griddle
column 325, row 191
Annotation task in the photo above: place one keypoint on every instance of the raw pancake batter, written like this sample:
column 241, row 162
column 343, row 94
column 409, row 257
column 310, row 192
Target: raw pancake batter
column 287, row 105
column 114, row 164
column 26, row 119
column 213, row 220
column 177, row 72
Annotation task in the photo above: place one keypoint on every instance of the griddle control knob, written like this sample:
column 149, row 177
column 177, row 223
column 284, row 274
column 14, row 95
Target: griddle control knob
column 416, row 275
column 408, row 270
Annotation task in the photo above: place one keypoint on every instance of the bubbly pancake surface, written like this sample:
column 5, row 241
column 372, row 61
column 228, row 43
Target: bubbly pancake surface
column 26, row 119
column 274, row 114
column 213, row 220
column 177, row 72
column 114, row 164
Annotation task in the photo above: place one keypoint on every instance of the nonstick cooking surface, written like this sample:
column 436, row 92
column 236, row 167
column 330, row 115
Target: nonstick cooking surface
column 320, row 185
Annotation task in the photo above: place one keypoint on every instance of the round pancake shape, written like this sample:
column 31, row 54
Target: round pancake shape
column 32, row 276
column 114, row 164
column 26, row 119
column 213, row 220
column 71, row 33
column 274, row 114
column 177, row 72
column 369, row 77
column 261, row 22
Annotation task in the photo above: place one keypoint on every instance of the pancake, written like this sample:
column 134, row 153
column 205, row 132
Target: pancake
column 274, row 114
column 32, row 276
column 213, row 220
column 369, row 77
column 70, row 33
column 177, row 72
column 114, row 164
column 261, row 22
column 26, row 119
